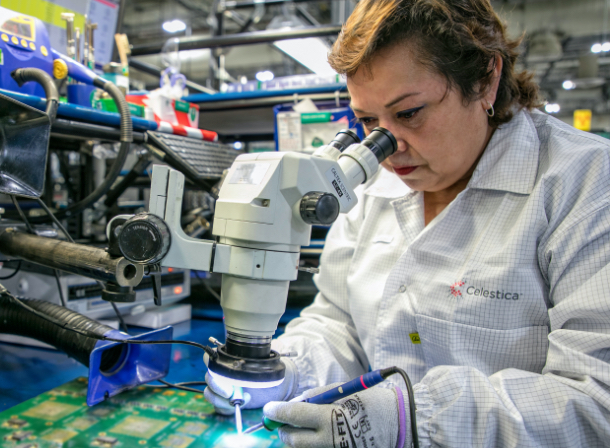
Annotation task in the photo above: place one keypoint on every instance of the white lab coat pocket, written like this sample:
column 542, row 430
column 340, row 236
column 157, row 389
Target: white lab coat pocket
column 485, row 349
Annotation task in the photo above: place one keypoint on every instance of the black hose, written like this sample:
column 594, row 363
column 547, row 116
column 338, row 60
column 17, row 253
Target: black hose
column 85, row 332
column 23, row 75
column 115, row 170
column 19, row 321
column 122, row 106
column 127, row 180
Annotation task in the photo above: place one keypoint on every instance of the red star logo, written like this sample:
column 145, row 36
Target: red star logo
column 454, row 288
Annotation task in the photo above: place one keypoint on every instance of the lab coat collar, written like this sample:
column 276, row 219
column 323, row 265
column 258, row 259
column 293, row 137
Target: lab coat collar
column 510, row 161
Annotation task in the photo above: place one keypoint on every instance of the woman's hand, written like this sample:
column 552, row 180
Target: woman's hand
column 375, row 417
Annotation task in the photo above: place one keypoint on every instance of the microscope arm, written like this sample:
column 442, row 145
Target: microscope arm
column 166, row 202
column 206, row 255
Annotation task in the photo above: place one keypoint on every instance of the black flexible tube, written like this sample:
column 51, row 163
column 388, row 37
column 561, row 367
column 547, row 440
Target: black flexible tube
column 23, row 75
column 115, row 170
column 122, row 106
column 127, row 180
column 17, row 320
column 85, row 332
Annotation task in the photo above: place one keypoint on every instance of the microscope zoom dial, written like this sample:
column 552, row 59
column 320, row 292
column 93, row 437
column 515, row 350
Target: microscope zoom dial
column 319, row 208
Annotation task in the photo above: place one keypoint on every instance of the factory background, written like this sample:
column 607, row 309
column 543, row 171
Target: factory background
column 204, row 82
column 558, row 38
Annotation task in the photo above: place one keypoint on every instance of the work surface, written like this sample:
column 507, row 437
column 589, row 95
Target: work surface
column 146, row 416
column 37, row 375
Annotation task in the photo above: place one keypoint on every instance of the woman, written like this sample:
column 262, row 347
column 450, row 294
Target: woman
column 477, row 262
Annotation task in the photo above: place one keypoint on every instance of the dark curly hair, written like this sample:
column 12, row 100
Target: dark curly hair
column 459, row 39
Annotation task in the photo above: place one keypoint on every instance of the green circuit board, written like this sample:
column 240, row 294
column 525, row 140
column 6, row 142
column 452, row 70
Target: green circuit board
column 145, row 417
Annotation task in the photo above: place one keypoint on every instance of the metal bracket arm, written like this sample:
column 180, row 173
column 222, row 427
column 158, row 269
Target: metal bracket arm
column 166, row 202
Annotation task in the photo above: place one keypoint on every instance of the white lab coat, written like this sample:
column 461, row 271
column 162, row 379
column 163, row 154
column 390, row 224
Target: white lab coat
column 507, row 292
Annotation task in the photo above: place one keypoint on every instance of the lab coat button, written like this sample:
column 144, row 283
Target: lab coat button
column 403, row 288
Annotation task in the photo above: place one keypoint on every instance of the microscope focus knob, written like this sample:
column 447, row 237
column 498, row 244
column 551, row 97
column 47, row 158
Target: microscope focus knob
column 319, row 208
column 145, row 238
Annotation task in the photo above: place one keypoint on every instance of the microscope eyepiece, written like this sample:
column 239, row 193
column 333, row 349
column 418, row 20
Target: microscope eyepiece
column 381, row 142
column 344, row 139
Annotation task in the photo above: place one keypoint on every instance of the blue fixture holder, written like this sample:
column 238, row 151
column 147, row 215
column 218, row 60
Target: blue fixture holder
column 139, row 364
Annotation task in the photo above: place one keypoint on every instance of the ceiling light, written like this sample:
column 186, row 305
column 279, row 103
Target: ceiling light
column 568, row 85
column 596, row 48
column 265, row 76
column 552, row 108
column 174, row 26
column 310, row 52
column 238, row 145
column 606, row 46
column 544, row 45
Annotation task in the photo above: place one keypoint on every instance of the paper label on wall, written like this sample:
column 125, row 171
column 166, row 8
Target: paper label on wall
column 289, row 131
column 338, row 185
column 249, row 173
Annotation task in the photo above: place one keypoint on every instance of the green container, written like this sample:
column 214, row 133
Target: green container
column 108, row 105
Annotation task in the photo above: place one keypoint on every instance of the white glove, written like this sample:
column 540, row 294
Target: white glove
column 375, row 417
column 218, row 394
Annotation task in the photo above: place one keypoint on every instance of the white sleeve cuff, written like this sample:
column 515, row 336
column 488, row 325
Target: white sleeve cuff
column 424, row 406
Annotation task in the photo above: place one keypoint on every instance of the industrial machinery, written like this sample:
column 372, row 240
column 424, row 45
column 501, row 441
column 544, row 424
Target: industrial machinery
column 264, row 213
column 113, row 365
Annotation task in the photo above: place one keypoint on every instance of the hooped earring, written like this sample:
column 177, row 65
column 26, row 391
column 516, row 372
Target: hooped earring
column 490, row 112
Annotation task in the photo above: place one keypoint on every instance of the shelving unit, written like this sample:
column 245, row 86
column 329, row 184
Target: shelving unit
column 248, row 116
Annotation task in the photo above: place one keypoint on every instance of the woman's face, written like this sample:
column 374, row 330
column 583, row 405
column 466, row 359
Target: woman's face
column 439, row 137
